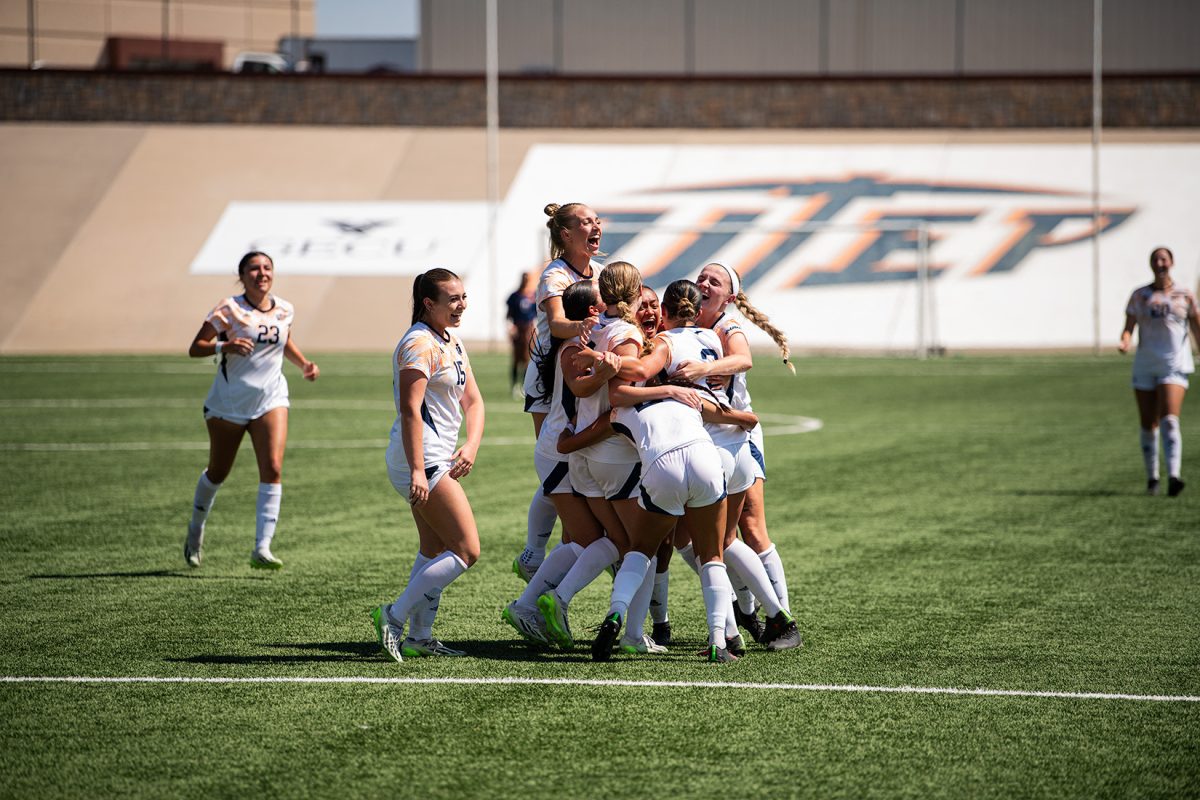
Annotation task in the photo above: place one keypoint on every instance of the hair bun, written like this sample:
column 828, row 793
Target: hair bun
column 551, row 209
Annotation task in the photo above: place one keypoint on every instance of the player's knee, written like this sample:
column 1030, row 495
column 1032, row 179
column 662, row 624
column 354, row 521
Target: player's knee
column 470, row 555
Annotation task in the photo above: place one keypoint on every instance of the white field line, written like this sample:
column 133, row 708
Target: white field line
column 785, row 687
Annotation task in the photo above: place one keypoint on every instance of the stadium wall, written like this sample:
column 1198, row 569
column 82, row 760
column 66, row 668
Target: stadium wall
column 120, row 237
column 993, row 102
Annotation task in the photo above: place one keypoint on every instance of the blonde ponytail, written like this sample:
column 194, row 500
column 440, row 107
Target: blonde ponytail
column 761, row 321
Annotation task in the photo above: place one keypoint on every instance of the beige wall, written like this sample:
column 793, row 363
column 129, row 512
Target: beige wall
column 101, row 222
column 72, row 33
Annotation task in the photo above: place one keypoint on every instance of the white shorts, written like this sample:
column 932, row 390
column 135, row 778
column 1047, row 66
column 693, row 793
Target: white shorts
column 1147, row 381
column 401, row 478
column 532, row 388
column 690, row 476
column 756, row 452
column 553, row 475
column 238, row 419
column 610, row 481
column 741, row 470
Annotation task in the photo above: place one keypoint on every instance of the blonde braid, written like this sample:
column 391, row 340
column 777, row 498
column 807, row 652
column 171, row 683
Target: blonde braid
column 762, row 321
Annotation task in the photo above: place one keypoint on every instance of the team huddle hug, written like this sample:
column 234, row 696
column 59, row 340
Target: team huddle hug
column 647, row 446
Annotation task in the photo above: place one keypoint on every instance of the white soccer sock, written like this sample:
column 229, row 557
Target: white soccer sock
column 1172, row 443
column 539, row 525
column 741, row 591
column 591, row 562
column 1150, row 452
column 629, row 579
column 427, row 584
column 714, row 582
column 731, row 626
column 420, row 621
column 745, row 563
column 270, row 495
column 688, row 554
column 202, row 501
column 774, row 567
column 550, row 573
column 658, row 597
column 639, row 606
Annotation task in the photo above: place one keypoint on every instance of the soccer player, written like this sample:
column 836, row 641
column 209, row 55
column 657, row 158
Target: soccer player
column 1163, row 311
column 250, row 334
column 606, row 471
column 574, row 241
column 521, row 313
column 568, row 387
column 720, row 287
column 682, row 476
column 434, row 390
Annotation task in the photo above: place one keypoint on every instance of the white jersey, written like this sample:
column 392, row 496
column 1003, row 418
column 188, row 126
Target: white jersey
column 605, row 336
column 246, row 387
column 444, row 362
column 1162, row 320
column 562, row 410
column 736, row 392
column 555, row 279
column 658, row 426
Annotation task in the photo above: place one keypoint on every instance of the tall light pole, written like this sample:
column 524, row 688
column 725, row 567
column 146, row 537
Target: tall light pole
column 1097, row 121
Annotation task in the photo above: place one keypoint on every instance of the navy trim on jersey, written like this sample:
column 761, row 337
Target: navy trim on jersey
column 758, row 456
column 427, row 418
column 621, row 429
column 221, row 337
column 647, row 404
column 649, row 505
column 568, row 401
column 554, row 478
column 577, row 272
column 631, row 483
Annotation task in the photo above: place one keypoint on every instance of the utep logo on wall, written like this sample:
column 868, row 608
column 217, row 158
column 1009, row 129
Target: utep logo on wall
column 974, row 229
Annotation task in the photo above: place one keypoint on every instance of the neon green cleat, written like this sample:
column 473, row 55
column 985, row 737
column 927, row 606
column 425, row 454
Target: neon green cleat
column 390, row 635
column 414, row 648
column 554, row 612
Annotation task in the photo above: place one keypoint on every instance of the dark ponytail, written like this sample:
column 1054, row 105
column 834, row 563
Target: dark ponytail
column 577, row 300
column 426, row 287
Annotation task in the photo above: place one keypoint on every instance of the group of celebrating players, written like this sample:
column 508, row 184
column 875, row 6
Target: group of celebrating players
column 647, row 445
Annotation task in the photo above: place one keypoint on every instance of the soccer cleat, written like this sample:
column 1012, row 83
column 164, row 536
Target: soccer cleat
column 781, row 632
column 606, row 637
column 1152, row 486
column 262, row 559
column 554, row 612
column 718, row 655
column 641, row 648
column 193, row 543
column 526, row 622
column 1174, row 487
column 415, row 648
column 736, row 646
column 390, row 635
column 661, row 633
column 749, row 622
column 523, row 571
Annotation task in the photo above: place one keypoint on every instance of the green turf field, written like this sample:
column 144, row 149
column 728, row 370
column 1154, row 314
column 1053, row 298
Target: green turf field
column 958, row 523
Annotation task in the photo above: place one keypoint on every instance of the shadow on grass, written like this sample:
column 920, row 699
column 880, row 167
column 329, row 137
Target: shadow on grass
column 153, row 573
column 1070, row 493
column 329, row 652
